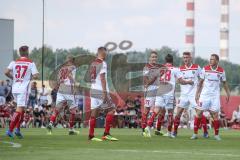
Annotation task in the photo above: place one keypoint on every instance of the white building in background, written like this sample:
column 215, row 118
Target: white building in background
column 6, row 44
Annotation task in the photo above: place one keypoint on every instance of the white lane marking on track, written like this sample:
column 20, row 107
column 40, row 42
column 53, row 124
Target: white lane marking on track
column 165, row 152
column 14, row 145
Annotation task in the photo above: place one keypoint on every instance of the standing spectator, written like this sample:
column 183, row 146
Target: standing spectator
column 3, row 93
column 9, row 96
column 236, row 116
column 54, row 95
column 33, row 95
column 43, row 96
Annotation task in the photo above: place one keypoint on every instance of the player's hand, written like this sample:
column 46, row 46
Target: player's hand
column 191, row 82
column 104, row 97
column 197, row 99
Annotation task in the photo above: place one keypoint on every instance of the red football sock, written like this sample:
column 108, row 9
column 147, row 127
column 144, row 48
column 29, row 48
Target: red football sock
column 14, row 120
column 92, row 123
column 71, row 120
column 53, row 117
column 151, row 119
column 20, row 121
column 108, row 123
column 204, row 124
column 216, row 126
column 197, row 122
column 176, row 124
column 144, row 120
column 170, row 122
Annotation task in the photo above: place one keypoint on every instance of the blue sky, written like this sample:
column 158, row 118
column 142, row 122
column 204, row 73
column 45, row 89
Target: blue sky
column 148, row 23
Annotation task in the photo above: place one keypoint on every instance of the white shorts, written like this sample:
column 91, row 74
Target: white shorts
column 21, row 99
column 185, row 101
column 97, row 102
column 165, row 101
column 149, row 102
column 2, row 100
column 211, row 103
column 69, row 98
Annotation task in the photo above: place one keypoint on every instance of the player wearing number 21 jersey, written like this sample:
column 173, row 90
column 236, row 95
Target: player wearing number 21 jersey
column 21, row 72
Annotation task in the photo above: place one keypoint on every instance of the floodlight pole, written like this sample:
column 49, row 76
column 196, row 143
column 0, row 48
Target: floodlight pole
column 43, row 42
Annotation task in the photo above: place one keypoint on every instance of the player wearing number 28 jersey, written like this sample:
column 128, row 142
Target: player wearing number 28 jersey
column 21, row 72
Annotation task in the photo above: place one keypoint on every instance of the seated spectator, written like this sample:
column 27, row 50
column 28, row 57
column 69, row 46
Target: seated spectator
column 223, row 119
column 37, row 117
column 236, row 116
column 28, row 119
column 120, row 116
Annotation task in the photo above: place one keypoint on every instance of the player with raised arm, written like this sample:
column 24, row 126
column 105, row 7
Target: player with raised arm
column 66, row 94
column 208, row 94
column 169, row 76
column 21, row 72
column 100, row 99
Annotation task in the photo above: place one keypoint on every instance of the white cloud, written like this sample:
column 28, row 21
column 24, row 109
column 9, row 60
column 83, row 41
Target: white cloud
column 138, row 21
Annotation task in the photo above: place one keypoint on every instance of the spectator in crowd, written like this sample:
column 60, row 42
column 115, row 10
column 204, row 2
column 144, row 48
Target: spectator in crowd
column 54, row 95
column 32, row 101
column 236, row 116
column 37, row 117
column 120, row 119
column 223, row 119
column 3, row 93
column 9, row 96
column 28, row 119
column 43, row 101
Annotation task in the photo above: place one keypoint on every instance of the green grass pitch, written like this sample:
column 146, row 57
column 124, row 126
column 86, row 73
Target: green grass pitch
column 36, row 145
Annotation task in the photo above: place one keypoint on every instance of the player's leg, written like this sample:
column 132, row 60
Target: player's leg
column 182, row 104
column 95, row 104
column 204, row 126
column 144, row 118
column 214, row 110
column 21, row 103
column 108, row 124
column 147, row 106
column 73, row 111
column 160, row 121
column 59, row 106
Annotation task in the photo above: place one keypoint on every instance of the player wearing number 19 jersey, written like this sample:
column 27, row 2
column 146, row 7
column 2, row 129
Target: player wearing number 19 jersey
column 150, row 75
column 21, row 72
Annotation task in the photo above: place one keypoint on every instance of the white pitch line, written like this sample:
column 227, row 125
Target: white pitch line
column 165, row 152
column 14, row 145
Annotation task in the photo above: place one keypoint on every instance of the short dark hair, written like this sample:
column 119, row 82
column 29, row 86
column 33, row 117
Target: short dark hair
column 153, row 52
column 23, row 50
column 187, row 53
column 102, row 48
column 216, row 56
column 169, row 58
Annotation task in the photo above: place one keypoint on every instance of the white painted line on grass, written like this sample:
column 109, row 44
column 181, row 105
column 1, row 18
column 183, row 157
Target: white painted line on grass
column 14, row 145
column 165, row 152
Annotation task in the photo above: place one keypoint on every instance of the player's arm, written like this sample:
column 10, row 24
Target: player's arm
column 35, row 73
column 227, row 90
column 35, row 76
column 184, row 82
column 147, row 81
column 199, row 89
column 8, row 73
column 104, row 85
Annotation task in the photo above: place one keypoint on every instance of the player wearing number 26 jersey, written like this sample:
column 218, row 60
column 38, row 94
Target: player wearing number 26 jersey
column 21, row 72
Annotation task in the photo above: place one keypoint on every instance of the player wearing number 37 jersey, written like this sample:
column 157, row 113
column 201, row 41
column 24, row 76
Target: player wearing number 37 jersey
column 21, row 72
